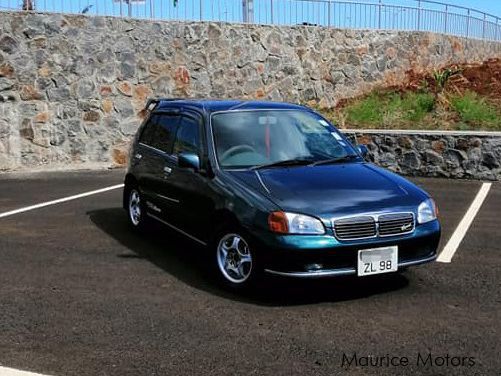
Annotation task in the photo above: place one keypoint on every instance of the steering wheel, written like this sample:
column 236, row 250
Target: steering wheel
column 237, row 149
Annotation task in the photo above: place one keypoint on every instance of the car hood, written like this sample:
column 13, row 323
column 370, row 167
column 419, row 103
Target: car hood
column 334, row 190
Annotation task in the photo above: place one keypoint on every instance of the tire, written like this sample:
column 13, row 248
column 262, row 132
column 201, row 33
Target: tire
column 136, row 210
column 237, row 263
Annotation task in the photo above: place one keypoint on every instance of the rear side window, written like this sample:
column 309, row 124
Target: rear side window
column 188, row 136
column 148, row 133
column 165, row 129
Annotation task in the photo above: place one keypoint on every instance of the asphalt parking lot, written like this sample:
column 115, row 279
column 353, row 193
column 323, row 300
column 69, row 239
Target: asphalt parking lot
column 82, row 295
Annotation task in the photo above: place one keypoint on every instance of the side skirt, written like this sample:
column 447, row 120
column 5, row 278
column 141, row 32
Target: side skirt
column 177, row 229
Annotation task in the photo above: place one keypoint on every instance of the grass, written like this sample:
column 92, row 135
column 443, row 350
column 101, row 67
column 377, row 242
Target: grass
column 474, row 110
column 418, row 110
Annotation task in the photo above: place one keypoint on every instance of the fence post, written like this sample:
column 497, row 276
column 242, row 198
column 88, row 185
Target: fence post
column 379, row 22
column 419, row 16
column 446, row 17
column 468, row 25
column 152, row 13
column 329, row 13
column 201, row 9
column 484, row 25
column 271, row 8
column 497, row 29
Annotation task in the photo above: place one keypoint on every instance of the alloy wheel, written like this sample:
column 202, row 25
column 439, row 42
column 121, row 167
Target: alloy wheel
column 135, row 207
column 234, row 258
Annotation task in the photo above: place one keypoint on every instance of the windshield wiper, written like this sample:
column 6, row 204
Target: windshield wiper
column 287, row 162
column 346, row 158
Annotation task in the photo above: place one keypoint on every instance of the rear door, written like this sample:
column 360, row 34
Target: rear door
column 145, row 158
column 157, row 163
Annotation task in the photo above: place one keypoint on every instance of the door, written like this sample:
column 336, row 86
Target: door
column 157, row 163
column 145, row 159
column 190, row 188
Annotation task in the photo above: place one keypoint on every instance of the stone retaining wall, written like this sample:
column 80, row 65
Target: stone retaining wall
column 72, row 87
column 470, row 155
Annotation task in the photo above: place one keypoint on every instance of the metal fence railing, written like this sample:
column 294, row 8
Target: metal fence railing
column 420, row 15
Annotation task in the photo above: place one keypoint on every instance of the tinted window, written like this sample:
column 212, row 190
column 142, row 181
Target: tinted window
column 166, row 126
column 188, row 137
column 148, row 133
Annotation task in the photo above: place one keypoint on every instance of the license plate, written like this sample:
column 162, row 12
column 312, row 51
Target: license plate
column 377, row 261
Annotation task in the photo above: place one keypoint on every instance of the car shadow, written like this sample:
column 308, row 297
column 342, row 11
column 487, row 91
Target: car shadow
column 188, row 262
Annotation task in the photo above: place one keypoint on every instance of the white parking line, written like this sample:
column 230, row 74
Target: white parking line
column 4, row 371
column 60, row 200
column 458, row 235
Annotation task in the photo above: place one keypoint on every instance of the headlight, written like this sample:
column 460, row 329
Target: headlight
column 427, row 211
column 291, row 223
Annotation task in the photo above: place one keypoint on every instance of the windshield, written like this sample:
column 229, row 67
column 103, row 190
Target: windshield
column 246, row 139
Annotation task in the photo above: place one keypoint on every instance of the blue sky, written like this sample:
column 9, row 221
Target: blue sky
column 488, row 6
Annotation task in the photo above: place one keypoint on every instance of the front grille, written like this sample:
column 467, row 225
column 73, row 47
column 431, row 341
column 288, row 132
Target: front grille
column 372, row 226
column 396, row 224
column 355, row 228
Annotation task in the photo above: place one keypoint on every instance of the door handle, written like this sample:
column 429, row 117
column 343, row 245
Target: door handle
column 138, row 156
column 167, row 170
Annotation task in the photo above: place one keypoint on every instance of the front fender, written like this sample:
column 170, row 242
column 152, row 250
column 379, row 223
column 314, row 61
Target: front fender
column 250, row 207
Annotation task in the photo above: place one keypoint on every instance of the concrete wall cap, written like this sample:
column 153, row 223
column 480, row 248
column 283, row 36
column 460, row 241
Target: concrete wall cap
column 423, row 132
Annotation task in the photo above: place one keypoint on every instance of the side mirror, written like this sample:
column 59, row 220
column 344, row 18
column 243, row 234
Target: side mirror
column 188, row 160
column 362, row 150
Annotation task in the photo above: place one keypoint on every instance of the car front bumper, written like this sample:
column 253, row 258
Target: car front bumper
column 319, row 273
column 304, row 256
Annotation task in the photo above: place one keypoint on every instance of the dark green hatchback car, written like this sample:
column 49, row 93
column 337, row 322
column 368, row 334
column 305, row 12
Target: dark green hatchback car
column 274, row 188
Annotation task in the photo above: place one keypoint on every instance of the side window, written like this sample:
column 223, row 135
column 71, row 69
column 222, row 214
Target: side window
column 166, row 126
column 148, row 132
column 188, row 136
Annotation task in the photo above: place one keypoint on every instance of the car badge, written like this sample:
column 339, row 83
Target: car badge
column 406, row 227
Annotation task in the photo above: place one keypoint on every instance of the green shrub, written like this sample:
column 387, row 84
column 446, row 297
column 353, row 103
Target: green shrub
column 415, row 106
column 442, row 77
column 475, row 110
column 367, row 112
column 390, row 109
column 420, row 110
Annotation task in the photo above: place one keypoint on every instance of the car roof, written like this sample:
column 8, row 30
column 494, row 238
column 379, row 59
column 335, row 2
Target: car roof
column 215, row 105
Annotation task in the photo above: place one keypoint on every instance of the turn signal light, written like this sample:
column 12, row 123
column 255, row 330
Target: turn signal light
column 436, row 208
column 277, row 221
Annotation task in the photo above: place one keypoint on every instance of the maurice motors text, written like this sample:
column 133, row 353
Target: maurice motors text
column 420, row 360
